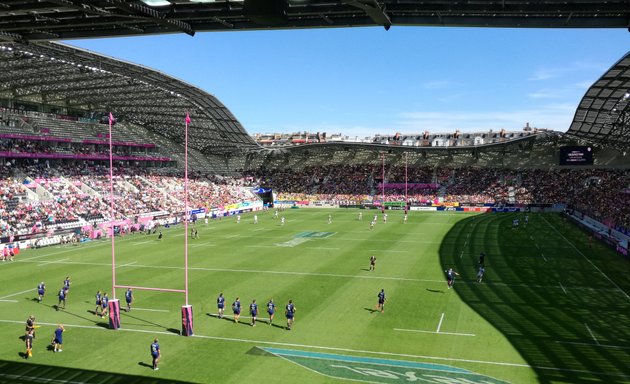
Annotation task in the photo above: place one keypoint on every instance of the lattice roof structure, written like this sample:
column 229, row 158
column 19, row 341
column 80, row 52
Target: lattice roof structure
column 57, row 74
column 35, row 20
column 603, row 115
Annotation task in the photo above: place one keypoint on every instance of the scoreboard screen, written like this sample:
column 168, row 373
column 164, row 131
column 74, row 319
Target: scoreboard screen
column 576, row 155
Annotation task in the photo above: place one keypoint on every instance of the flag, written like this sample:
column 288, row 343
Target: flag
column 187, row 118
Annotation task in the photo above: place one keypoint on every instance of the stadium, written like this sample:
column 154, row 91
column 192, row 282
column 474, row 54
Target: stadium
column 118, row 177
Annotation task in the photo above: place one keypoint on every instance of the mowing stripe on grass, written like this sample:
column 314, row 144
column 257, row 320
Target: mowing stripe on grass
column 386, row 250
column 331, row 275
column 35, row 379
column 144, row 242
column 593, row 345
column 250, row 341
column 586, row 258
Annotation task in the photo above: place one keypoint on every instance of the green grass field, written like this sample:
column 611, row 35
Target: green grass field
column 551, row 309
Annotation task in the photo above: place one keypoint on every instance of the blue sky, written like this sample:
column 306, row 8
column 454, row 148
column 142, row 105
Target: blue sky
column 363, row 81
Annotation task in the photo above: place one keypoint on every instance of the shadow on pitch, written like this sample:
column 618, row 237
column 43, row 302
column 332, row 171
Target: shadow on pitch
column 547, row 323
column 143, row 364
column 435, row 290
column 143, row 320
column 40, row 373
column 371, row 310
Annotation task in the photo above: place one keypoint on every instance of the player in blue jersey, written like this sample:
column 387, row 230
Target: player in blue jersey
column 104, row 305
column 41, row 290
column 58, row 338
column 271, row 310
column 66, row 284
column 220, row 305
column 450, row 277
column 98, row 298
column 62, row 298
column 381, row 301
column 155, row 353
column 290, row 314
column 253, row 311
column 480, row 273
column 236, row 308
column 129, row 298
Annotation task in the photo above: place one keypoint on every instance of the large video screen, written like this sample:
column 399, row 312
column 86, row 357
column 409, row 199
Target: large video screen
column 576, row 155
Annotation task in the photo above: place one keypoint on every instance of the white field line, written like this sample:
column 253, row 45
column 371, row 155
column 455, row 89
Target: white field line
column 435, row 333
column 593, row 345
column 591, row 332
column 324, row 248
column 126, row 265
column 386, row 250
column 250, row 341
column 586, row 258
column 145, row 242
column 206, row 244
column 8, row 301
column 15, row 294
column 562, row 286
column 543, row 256
column 149, row 309
column 440, row 323
column 52, row 262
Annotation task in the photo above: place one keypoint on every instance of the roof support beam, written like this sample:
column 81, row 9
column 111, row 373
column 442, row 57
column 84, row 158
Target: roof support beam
column 374, row 10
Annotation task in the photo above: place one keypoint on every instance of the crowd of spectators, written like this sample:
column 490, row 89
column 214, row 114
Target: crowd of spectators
column 601, row 193
column 40, row 199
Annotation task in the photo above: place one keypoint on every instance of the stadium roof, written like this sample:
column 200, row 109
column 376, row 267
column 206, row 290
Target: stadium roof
column 57, row 74
column 603, row 115
column 36, row 20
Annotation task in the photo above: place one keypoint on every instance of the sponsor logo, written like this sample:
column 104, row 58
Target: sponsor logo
column 374, row 370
